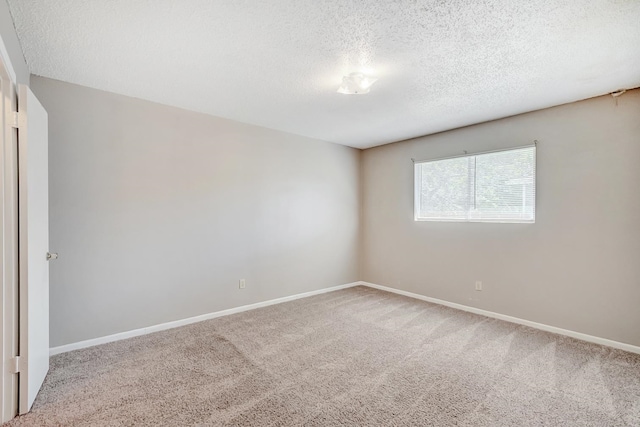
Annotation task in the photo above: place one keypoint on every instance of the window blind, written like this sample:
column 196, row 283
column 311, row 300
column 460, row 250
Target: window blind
column 490, row 187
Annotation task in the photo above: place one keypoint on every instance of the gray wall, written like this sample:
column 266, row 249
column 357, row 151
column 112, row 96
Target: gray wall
column 577, row 267
column 157, row 212
column 11, row 43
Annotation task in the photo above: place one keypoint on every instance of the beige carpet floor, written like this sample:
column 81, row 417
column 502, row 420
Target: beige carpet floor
column 353, row 357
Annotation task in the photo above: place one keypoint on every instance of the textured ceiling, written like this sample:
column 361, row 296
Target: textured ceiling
column 442, row 64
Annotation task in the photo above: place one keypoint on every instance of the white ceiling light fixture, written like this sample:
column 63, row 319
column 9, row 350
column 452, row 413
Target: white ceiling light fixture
column 356, row 84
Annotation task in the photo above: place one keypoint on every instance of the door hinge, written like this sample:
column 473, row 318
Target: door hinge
column 14, row 365
column 14, row 119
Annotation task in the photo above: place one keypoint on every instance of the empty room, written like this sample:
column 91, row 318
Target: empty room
column 320, row 213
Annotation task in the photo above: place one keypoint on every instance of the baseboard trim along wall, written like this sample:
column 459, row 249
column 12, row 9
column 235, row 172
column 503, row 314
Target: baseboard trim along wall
column 177, row 323
column 577, row 335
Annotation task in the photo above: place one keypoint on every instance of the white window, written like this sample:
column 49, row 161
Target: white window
column 491, row 187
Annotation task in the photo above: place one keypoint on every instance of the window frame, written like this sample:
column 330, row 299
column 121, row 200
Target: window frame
column 417, row 188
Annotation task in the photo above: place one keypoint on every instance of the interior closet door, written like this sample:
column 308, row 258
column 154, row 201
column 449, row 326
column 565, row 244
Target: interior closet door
column 33, row 190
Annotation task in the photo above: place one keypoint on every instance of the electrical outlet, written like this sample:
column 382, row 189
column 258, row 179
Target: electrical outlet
column 242, row 284
column 478, row 285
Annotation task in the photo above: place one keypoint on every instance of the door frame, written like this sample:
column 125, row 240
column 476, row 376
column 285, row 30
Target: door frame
column 9, row 268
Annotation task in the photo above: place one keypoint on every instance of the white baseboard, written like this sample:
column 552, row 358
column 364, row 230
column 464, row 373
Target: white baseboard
column 541, row 326
column 176, row 323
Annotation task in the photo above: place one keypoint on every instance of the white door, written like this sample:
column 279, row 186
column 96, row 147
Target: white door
column 33, row 190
